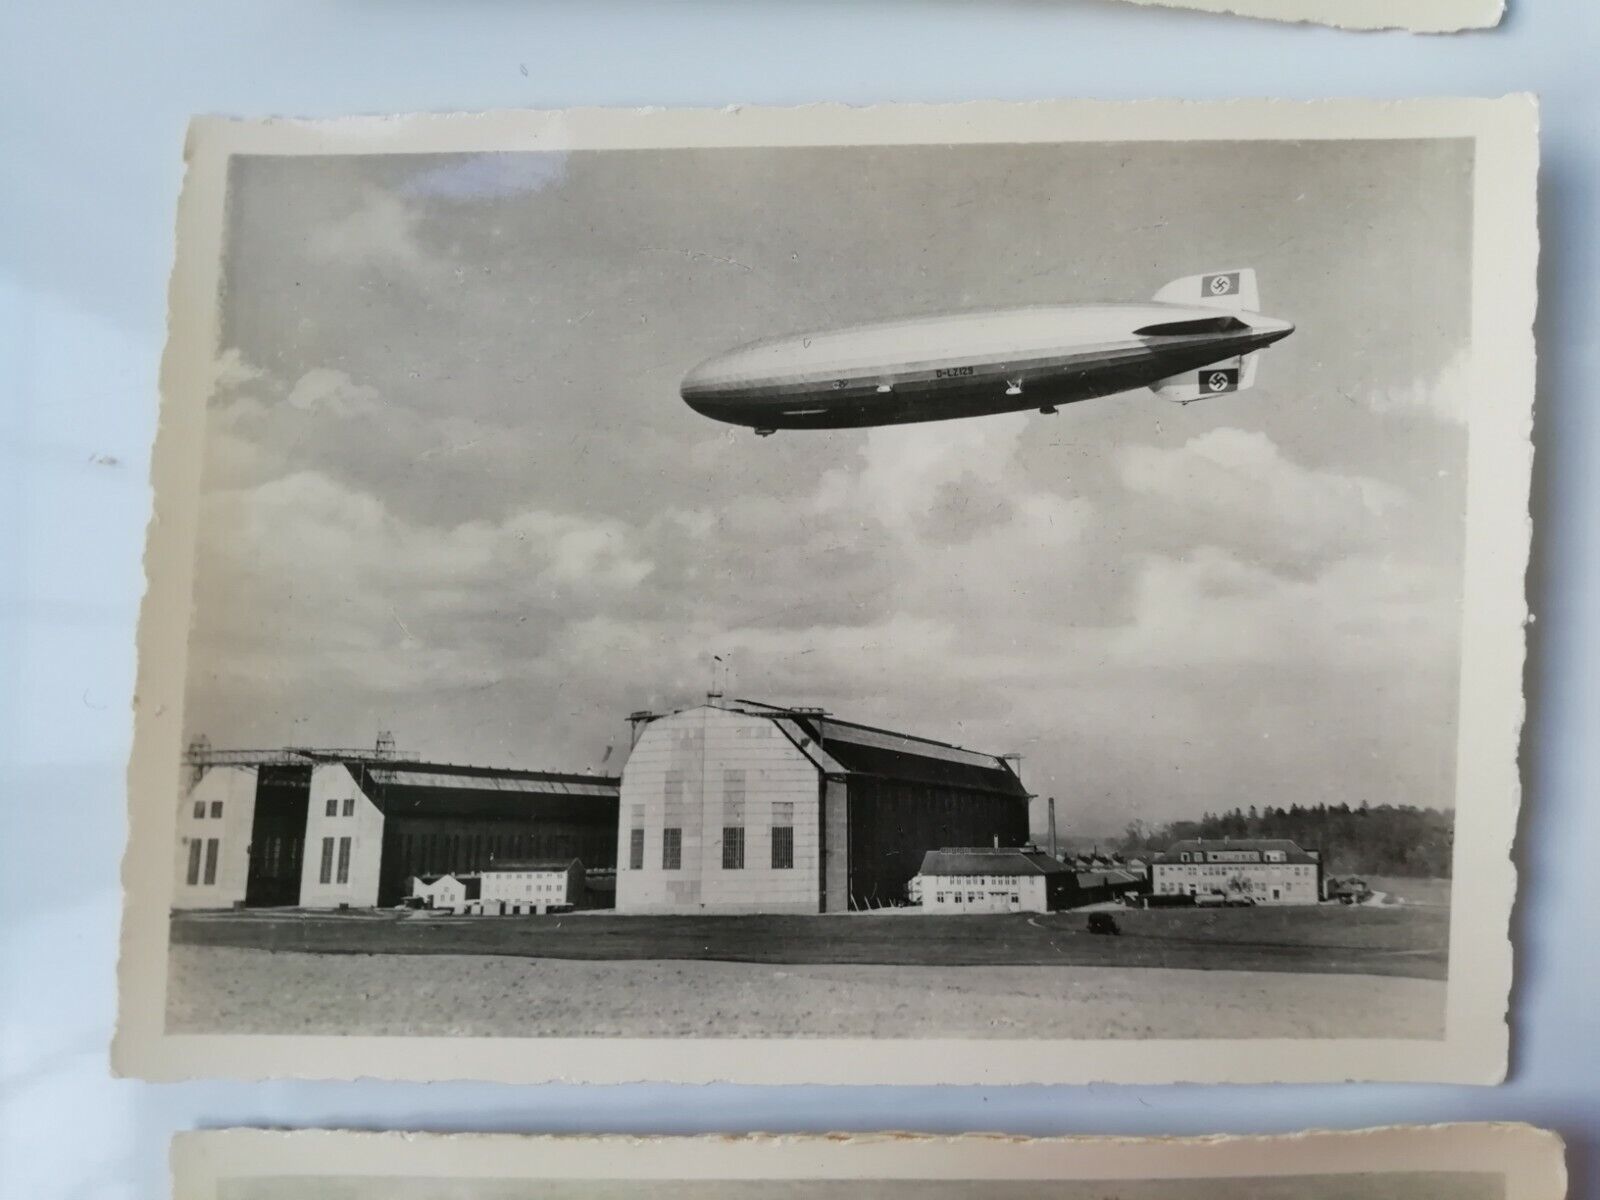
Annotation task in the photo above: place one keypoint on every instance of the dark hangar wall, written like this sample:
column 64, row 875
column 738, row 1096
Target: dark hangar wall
column 428, row 844
column 893, row 823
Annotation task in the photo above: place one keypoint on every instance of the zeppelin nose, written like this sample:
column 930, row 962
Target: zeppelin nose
column 699, row 385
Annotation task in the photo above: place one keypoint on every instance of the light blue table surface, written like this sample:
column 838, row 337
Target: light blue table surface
column 93, row 100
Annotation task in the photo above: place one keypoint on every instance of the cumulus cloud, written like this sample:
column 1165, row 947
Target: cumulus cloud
column 1235, row 487
column 1446, row 394
column 1212, row 608
column 305, row 575
column 324, row 389
column 230, row 371
column 381, row 233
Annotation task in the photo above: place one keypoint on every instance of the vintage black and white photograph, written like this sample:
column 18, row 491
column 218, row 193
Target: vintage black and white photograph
column 1045, row 579
column 1444, row 1162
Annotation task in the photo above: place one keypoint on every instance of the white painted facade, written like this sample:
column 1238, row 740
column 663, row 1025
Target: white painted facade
column 445, row 892
column 344, row 842
column 524, row 889
column 213, row 851
column 696, row 774
column 1265, row 876
column 984, row 893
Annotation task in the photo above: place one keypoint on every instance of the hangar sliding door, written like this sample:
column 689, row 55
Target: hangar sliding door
column 278, row 836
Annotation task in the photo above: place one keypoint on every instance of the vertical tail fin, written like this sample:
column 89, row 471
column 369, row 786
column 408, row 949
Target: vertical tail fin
column 1232, row 289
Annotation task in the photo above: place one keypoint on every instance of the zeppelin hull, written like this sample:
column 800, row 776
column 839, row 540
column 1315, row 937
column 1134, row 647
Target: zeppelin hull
column 946, row 368
column 903, row 396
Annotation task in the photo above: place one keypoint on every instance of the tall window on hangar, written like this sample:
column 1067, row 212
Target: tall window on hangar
column 783, row 836
column 733, row 848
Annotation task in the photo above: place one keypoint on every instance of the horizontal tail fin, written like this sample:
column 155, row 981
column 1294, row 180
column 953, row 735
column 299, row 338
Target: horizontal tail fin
column 1230, row 375
column 1232, row 289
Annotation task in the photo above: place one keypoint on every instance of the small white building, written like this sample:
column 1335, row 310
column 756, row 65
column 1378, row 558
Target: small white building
column 993, row 879
column 529, row 886
column 1262, row 870
column 447, row 892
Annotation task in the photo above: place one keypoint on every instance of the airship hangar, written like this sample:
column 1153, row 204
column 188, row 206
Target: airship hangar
column 730, row 806
column 1198, row 336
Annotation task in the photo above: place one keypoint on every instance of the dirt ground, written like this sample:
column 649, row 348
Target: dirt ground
column 221, row 989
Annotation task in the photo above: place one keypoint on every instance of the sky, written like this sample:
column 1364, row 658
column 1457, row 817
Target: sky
column 451, row 491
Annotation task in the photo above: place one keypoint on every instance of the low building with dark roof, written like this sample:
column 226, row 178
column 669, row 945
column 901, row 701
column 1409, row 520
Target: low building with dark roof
column 1262, row 870
column 989, row 879
column 332, row 828
column 737, row 806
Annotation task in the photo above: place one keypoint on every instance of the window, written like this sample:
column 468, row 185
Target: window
column 331, row 809
column 326, row 875
column 211, row 860
column 636, row 850
column 671, row 849
column 349, row 806
column 733, row 785
column 782, row 847
column 344, row 860
column 199, row 810
column 194, row 862
column 733, row 847
column 216, row 808
column 958, row 897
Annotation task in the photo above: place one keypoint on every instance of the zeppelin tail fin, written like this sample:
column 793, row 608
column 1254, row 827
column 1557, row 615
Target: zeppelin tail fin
column 1232, row 289
column 1230, row 375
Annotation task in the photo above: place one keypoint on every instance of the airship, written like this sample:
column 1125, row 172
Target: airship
column 1199, row 336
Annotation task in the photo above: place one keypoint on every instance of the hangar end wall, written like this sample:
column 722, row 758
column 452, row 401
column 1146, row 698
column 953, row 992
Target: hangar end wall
column 719, row 813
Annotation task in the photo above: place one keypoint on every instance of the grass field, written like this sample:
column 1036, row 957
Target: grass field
column 1385, row 940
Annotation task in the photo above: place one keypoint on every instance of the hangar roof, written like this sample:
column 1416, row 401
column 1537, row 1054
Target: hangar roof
column 532, row 864
column 1112, row 878
column 848, row 747
column 453, row 790
column 985, row 860
column 1223, row 851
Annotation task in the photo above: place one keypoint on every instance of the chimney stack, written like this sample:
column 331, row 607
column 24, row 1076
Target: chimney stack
column 1052, row 826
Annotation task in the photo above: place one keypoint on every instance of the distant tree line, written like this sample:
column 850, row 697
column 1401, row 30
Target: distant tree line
column 1380, row 839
